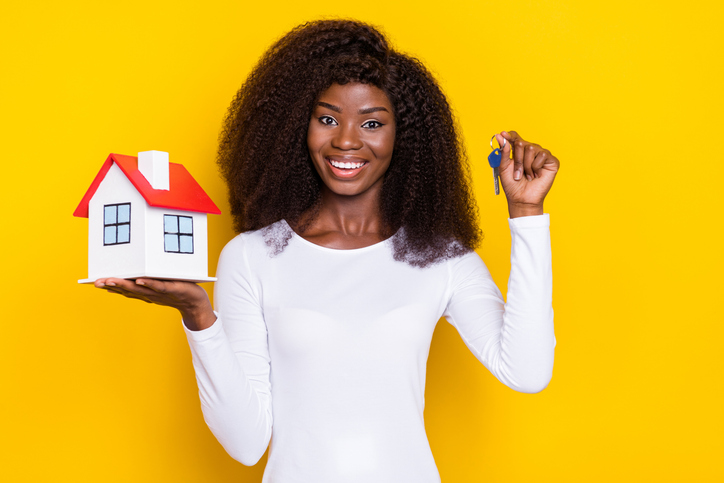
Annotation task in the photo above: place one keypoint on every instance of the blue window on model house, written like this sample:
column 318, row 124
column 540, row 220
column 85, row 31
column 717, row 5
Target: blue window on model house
column 117, row 224
column 178, row 234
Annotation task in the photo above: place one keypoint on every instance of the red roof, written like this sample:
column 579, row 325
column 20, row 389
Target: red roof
column 184, row 193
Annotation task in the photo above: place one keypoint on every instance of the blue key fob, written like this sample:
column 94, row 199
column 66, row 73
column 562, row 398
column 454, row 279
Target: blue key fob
column 495, row 157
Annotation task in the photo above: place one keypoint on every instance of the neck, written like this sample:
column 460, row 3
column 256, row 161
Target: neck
column 350, row 215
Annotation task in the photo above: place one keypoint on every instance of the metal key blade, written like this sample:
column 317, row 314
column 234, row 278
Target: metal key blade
column 495, row 179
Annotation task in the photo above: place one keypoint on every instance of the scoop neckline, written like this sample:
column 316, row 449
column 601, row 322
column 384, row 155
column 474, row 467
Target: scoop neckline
column 336, row 250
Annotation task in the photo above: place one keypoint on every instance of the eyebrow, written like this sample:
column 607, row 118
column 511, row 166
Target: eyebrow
column 372, row 109
column 367, row 110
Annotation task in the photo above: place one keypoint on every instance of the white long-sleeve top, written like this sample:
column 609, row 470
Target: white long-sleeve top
column 324, row 351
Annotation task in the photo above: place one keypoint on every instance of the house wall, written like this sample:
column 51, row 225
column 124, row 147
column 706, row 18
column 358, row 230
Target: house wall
column 124, row 260
column 160, row 263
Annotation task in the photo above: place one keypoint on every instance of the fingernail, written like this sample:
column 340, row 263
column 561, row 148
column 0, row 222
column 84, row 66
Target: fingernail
column 505, row 132
column 111, row 284
column 140, row 282
column 516, row 175
column 529, row 177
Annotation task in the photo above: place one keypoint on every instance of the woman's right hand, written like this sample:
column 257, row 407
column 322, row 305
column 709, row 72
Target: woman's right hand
column 190, row 299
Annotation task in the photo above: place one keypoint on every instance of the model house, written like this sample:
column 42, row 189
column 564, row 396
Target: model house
column 146, row 218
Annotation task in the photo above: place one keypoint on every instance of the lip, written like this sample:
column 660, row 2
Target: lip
column 346, row 173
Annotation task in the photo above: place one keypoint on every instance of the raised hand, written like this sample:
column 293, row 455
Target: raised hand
column 190, row 299
column 527, row 176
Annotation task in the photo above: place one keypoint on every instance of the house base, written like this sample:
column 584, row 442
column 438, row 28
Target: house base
column 156, row 276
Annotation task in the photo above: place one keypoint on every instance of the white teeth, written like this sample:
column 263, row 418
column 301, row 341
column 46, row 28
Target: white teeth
column 347, row 165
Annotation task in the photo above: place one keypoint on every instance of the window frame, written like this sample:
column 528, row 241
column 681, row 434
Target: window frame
column 116, row 224
column 178, row 234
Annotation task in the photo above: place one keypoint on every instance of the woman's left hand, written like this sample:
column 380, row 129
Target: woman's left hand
column 528, row 176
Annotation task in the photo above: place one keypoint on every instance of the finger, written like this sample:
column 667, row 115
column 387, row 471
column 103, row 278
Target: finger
column 539, row 162
column 529, row 154
column 127, row 287
column 120, row 291
column 501, row 140
column 114, row 282
column 505, row 155
column 511, row 136
column 547, row 162
column 134, row 292
column 158, row 286
column 552, row 163
column 129, row 295
column 518, row 154
column 109, row 281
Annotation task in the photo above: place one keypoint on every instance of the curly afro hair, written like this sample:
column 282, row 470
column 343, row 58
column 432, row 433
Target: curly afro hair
column 263, row 156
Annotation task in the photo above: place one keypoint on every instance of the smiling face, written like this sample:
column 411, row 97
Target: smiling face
column 351, row 137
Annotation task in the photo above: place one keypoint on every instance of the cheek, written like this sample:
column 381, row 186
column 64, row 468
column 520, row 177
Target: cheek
column 384, row 146
column 316, row 137
column 310, row 137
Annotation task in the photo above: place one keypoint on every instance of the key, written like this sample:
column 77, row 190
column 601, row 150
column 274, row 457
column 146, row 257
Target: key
column 494, row 159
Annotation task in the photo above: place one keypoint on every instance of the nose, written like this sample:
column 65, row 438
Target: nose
column 347, row 138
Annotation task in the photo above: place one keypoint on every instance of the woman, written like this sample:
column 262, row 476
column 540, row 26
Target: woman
column 348, row 182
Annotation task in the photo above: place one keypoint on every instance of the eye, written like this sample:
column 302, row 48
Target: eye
column 372, row 124
column 328, row 120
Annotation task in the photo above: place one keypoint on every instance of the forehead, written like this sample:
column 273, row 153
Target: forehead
column 356, row 96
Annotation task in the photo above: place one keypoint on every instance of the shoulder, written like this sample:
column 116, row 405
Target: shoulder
column 245, row 257
column 251, row 245
column 435, row 251
column 241, row 243
column 467, row 267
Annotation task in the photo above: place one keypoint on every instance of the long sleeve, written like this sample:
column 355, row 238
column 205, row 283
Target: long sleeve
column 232, row 364
column 514, row 340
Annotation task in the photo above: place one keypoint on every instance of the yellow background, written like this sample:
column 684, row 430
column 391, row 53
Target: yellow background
column 625, row 93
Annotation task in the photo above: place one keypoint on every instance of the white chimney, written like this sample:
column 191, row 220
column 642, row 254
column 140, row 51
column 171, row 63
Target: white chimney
column 153, row 165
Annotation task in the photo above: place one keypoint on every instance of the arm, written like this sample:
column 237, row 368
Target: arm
column 514, row 340
column 231, row 361
column 229, row 353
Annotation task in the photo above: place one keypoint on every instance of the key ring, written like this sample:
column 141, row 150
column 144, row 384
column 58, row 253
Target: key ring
column 505, row 141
